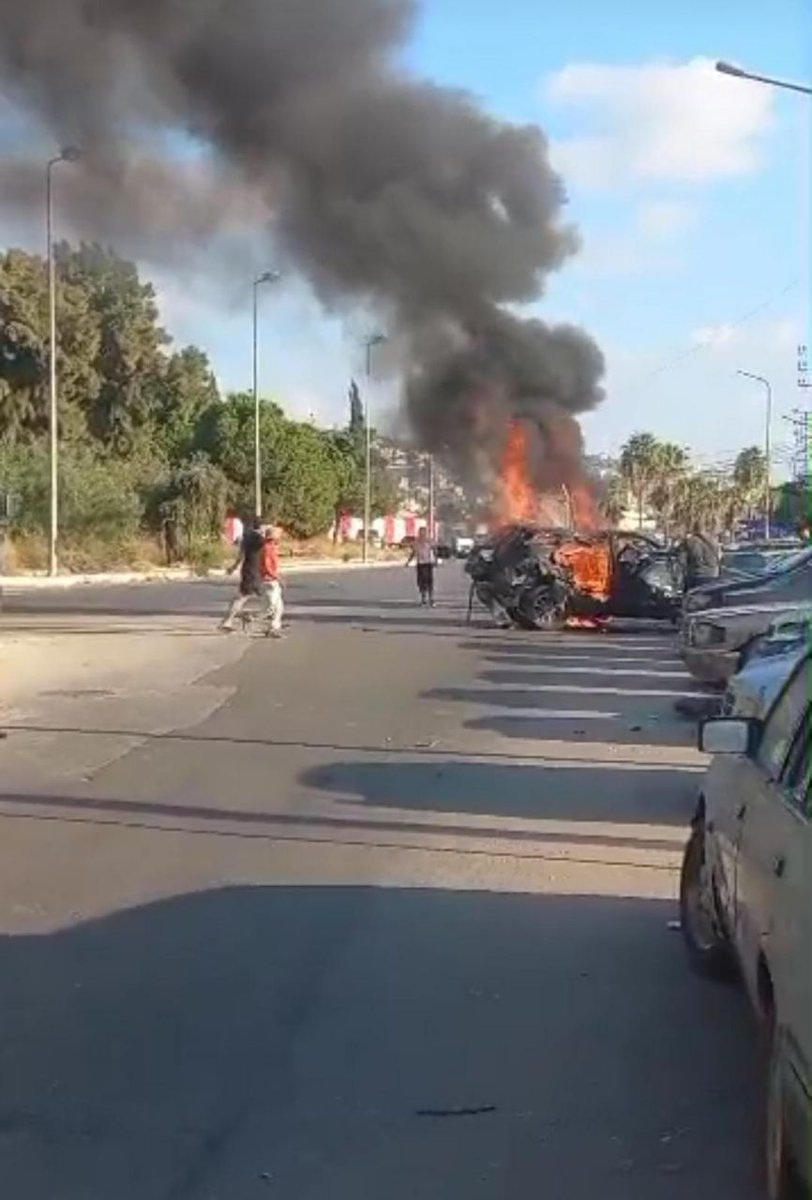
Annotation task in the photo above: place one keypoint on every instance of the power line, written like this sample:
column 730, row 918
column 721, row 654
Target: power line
column 731, row 326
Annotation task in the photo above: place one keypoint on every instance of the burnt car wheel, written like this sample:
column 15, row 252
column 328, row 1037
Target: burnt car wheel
column 709, row 951
column 539, row 615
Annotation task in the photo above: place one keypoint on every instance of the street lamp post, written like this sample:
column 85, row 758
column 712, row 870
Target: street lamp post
column 69, row 154
column 376, row 339
column 767, row 443
column 726, row 68
column 267, row 277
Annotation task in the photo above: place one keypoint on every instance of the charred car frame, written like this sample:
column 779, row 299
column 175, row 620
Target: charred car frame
column 544, row 579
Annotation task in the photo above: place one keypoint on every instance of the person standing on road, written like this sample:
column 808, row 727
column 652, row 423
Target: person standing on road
column 702, row 558
column 424, row 555
column 249, row 564
column 273, row 599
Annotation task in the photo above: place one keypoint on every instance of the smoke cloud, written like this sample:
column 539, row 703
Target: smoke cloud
column 384, row 190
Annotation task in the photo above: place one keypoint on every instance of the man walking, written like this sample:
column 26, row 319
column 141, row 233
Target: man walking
column 250, row 565
column 425, row 556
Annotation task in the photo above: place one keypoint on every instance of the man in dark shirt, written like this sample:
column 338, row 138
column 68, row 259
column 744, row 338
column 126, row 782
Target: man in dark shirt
column 702, row 558
column 249, row 564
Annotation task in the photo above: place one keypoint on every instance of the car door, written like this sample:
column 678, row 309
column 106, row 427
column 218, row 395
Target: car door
column 772, row 843
column 792, row 977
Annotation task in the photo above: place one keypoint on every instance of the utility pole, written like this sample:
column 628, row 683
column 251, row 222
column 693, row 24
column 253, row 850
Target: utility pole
column 768, row 425
column 375, row 339
column 69, row 154
column 432, row 522
column 267, row 277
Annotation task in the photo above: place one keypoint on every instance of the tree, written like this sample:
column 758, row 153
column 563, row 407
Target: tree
column 750, row 478
column 671, row 464
column 357, row 425
column 129, row 359
column 24, row 350
column 185, row 391
column 639, row 461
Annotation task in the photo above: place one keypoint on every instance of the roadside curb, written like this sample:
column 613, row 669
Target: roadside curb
column 184, row 575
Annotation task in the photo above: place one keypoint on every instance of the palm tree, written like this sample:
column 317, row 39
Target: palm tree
column 639, row 468
column 671, row 466
column 750, row 477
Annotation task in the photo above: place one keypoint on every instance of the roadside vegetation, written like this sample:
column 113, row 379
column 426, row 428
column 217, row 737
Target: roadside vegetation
column 151, row 454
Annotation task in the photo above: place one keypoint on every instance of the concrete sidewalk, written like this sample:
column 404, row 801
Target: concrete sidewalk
column 15, row 583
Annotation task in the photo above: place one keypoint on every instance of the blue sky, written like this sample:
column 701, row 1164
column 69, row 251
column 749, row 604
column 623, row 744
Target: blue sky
column 691, row 192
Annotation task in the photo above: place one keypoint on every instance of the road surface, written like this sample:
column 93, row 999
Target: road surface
column 381, row 910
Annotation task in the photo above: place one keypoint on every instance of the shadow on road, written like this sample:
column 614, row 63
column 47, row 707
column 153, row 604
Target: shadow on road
column 564, row 792
column 282, row 1042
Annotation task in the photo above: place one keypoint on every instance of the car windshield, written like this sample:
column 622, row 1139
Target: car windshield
column 789, row 563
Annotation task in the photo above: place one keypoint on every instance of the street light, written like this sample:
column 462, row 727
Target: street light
column 266, row 277
column 69, row 154
column 374, row 340
column 726, row 68
column 767, row 444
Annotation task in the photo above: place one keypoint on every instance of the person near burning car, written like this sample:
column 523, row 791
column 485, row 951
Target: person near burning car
column 424, row 555
column 702, row 558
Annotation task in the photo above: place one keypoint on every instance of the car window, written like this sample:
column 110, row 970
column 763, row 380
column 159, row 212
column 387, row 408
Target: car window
column 783, row 722
column 797, row 774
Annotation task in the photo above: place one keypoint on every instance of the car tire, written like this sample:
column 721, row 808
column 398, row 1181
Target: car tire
column 782, row 1179
column 709, row 950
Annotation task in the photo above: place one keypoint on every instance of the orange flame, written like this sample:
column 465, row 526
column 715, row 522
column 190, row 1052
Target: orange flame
column 591, row 566
column 517, row 500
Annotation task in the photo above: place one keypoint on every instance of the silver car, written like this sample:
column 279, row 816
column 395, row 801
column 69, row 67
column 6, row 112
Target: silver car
column 746, row 893
column 714, row 643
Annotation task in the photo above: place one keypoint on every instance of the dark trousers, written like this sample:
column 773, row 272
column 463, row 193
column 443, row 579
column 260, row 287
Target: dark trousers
column 425, row 580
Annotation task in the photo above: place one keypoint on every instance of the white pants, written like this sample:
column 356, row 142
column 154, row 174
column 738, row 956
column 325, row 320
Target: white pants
column 272, row 605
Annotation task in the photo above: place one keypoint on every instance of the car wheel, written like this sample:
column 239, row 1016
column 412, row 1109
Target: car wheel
column 708, row 948
column 783, row 1181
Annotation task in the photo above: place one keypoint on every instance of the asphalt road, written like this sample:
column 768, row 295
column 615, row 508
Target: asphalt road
column 381, row 910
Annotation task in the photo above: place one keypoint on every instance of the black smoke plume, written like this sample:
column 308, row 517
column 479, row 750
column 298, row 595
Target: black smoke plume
column 385, row 191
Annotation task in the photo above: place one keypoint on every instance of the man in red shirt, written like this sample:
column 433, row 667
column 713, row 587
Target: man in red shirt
column 271, row 585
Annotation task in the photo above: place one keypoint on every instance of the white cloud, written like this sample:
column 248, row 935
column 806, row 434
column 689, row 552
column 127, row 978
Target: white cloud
column 781, row 334
column 658, row 122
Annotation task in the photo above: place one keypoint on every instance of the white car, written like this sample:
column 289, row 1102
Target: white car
column 746, row 892
column 713, row 643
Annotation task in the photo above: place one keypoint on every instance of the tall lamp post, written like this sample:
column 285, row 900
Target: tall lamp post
column 767, row 443
column 267, row 277
column 68, row 154
column 373, row 341
column 726, row 68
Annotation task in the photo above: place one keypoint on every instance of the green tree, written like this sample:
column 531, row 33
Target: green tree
column 129, row 360
column 639, row 465
column 24, row 405
column 671, row 465
column 750, row 478
column 185, row 391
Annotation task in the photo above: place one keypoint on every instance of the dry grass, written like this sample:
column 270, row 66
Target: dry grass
column 93, row 555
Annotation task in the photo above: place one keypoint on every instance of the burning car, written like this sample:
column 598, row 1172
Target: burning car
column 538, row 578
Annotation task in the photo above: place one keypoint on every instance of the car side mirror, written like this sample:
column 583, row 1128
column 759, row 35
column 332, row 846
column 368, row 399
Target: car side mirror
column 729, row 735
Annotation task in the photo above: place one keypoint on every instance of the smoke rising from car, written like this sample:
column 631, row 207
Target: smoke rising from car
column 387, row 192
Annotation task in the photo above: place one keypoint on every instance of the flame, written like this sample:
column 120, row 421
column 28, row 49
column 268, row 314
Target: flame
column 591, row 567
column 517, row 501
column 586, row 515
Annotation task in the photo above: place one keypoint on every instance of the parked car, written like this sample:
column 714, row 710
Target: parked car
column 746, row 898
column 789, row 578
column 747, row 562
column 787, row 633
column 715, row 644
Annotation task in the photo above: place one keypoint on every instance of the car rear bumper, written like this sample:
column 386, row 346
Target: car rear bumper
column 711, row 666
